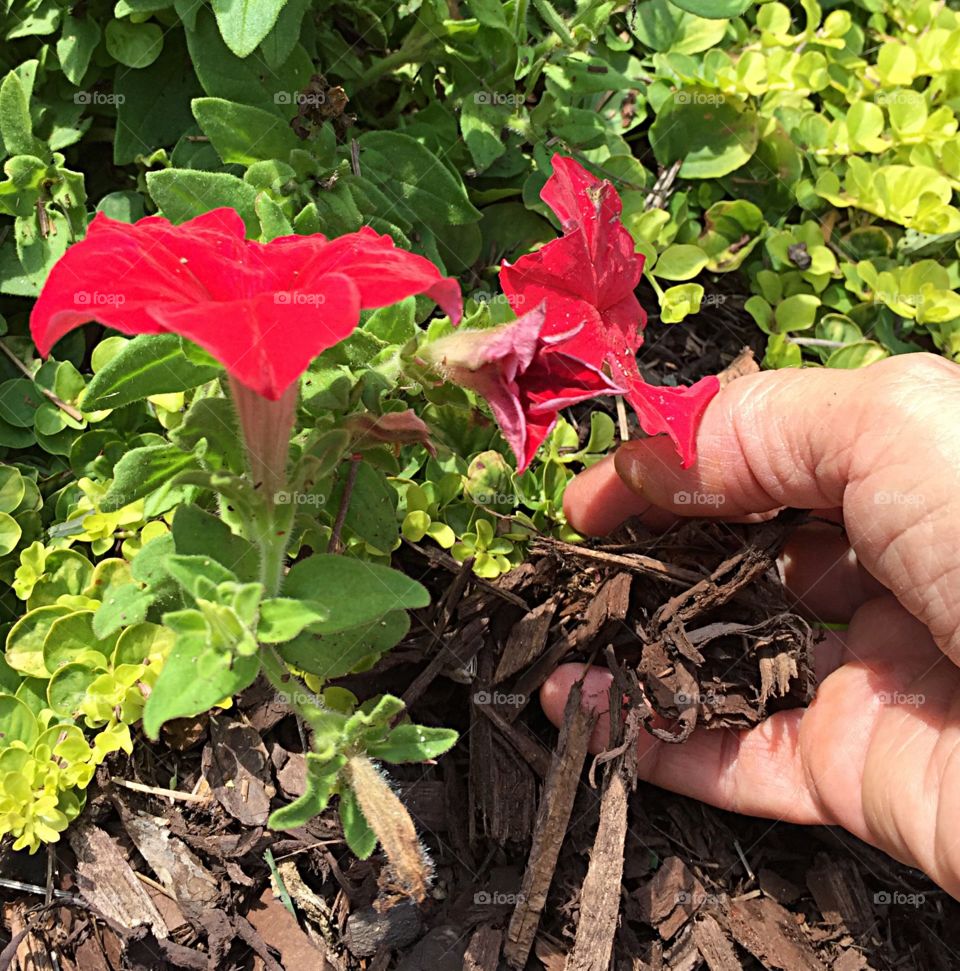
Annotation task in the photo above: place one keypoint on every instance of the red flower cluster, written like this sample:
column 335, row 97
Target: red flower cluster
column 265, row 310
column 587, row 278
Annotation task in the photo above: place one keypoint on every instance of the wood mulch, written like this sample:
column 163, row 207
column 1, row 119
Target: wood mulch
column 545, row 857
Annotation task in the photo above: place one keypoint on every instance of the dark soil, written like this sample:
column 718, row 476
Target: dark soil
column 544, row 856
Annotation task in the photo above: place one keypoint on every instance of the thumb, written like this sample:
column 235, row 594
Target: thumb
column 881, row 443
column 777, row 438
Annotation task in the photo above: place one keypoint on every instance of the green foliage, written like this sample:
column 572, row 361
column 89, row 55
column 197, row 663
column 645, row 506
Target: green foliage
column 803, row 158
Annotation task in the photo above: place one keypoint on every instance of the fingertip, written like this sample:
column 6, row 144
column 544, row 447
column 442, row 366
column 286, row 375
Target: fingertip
column 597, row 501
column 595, row 697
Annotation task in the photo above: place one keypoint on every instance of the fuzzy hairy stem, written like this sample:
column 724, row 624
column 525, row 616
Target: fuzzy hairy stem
column 387, row 816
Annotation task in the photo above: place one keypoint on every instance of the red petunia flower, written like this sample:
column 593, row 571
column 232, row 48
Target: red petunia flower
column 522, row 375
column 264, row 310
column 587, row 278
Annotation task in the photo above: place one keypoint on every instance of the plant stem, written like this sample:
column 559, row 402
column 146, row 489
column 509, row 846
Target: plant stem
column 273, row 548
column 49, row 395
column 405, row 55
column 293, row 692
column 334, row 545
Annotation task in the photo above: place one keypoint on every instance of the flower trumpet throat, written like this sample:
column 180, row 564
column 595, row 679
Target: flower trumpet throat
column 266, row 427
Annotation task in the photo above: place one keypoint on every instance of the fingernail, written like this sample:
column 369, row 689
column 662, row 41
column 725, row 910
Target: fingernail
column 629, row 466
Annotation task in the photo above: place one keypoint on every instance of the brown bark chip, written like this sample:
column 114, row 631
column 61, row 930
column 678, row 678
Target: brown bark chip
column 526, row 641
column 107, row 881
column 178, row 870
column 671, row 897
column 483, row 951
column 279, row 928
column 714, row 947
column 553, row 815
column 770, row 933
column 600, row 895
column 840, row 894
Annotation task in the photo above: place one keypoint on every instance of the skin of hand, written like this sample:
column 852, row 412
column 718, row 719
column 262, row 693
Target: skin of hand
column 878, row 750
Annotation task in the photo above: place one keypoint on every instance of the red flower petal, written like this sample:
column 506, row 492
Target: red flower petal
column 583, row 202
column 587, row 279
column 381, row 273
column 675, row 411
column 246, row 336
column 265, row 310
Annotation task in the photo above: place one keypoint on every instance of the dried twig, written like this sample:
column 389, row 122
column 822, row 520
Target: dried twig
column 636, row 562
column 171, row 794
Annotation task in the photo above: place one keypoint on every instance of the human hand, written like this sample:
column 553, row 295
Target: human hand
column 878, row 750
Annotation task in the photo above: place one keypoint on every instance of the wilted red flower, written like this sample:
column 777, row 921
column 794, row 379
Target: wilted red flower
column 522, row 375
column 264, row 310
column 588, row 277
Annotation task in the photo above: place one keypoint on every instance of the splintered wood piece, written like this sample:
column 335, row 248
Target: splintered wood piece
column 775, row 885
column 483, row 951
column 279, row 928
column 683, row 954
column 107, row 881
column 90, row 957
column 28, row 948
column 769, row 932
column 636, row 562
column 777, row 672
column 611, row 603
column 549, row 955
column 850, row 960
column 178, row 870
column 315, row 909
column 600, row 894
column 526, row 640
column 714, row 946
column 553, row 815
column 502, row 792
column 467, row 646
column 671, row 897
column 840, row 894
column 522, row 739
